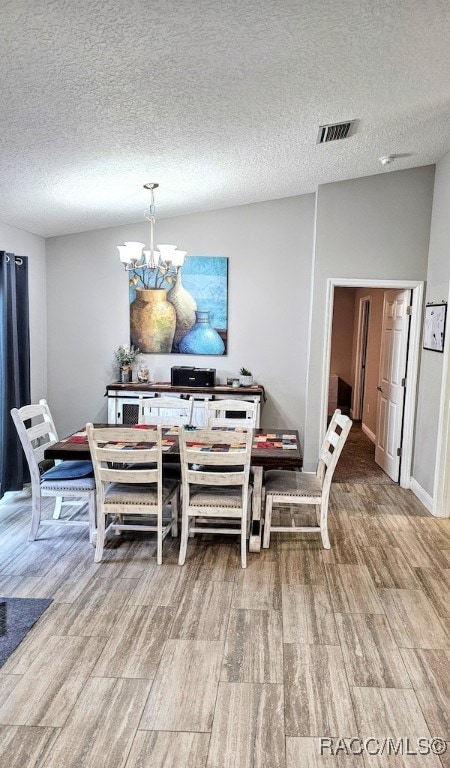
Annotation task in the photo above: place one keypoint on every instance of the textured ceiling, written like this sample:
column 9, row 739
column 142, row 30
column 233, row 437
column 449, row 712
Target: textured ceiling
column 217, row 100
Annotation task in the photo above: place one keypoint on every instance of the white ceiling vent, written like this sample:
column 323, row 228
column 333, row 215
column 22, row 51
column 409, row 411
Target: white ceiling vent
column 335, row 131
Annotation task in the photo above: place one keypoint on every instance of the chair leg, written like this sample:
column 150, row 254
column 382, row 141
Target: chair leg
column 267, row 520
column 35, row 514
column 324, row 524
column 184, row 538
column 159, row 538
column 92, row 512
column 119, row 520
column 244, row 542
column 58, row 508
column 100, row 537
column 175, row 507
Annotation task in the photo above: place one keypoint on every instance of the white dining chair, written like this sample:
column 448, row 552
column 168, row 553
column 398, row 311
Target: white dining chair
column 215, row 495
column 168, row 411
column 69, row 482
column 128, row 472
column 294, row 488
column 231, row 413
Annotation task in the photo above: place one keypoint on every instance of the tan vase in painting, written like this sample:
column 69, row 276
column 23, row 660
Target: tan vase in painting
column 152, row 321
column 185, row 306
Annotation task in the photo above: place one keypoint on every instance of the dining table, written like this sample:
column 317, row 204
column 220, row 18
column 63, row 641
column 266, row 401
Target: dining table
column 272, row 449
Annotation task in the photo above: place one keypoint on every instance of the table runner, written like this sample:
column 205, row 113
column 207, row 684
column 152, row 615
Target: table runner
column 265, row 441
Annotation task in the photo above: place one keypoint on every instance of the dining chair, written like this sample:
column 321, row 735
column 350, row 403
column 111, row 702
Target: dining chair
column 231, row 413
column 295, row 488
column 128, row 489
column 215, row 494
column 168, row 411
column 69, row 482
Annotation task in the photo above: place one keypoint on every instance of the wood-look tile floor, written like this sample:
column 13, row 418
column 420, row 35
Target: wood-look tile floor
column 136, row 665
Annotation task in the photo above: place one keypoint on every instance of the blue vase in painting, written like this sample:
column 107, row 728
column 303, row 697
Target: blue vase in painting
column 202, row 339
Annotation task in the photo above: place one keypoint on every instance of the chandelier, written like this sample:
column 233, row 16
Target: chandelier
column 134, row 257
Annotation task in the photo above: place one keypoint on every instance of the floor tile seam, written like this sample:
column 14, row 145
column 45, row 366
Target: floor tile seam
column 48, row 685
column 359, row 726
column 431, row 605
column 375, row 613
column 417, row 688
column 199, row 638
column 428, row 722
column 397, row 647
column 140, row 729
column 155, row 677
column 167, row 730
column 61, row 729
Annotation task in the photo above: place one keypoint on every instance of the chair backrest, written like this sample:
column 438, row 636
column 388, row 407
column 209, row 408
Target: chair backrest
column 217, row 410
column 165, row 410
column 215, row 448
column 117, row 452
column 332, row 446
column 37, row 436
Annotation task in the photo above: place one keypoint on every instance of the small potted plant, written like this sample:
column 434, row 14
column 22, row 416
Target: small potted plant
column 126, row 356
column 245, row 378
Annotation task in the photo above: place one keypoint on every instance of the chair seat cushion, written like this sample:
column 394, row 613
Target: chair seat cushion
column 137, row 493
column 209, row 496
column 78, row 484
column 69, row 470
column 291, row 483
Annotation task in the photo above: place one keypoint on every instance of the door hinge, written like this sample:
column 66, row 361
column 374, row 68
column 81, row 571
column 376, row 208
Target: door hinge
column 399, row 451
column 409, row 310
column 403, row 382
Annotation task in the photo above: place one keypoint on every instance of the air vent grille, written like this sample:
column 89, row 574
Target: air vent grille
column 335, row 131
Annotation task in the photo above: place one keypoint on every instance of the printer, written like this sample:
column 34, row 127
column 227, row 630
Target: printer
column 187, row 376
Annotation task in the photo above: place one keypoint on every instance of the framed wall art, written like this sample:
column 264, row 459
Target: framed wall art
column 434, row 329
column 181, row 309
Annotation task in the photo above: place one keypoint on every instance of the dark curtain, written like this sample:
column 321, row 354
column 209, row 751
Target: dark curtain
column 14, row 367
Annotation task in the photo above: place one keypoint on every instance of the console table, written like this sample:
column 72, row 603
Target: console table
column 123, row 399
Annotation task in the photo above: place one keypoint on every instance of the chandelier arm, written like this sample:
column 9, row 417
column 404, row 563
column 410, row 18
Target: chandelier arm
column 150, row 262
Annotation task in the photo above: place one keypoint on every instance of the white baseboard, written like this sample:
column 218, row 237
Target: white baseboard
column 369, row 433
column 422, row 495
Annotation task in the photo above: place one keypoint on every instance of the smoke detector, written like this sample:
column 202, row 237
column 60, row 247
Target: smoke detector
column 387, row 159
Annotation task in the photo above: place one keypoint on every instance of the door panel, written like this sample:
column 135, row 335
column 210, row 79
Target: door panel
column 391, row 393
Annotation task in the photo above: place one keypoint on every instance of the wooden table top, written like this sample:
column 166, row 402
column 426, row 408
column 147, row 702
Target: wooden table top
column 269, row 449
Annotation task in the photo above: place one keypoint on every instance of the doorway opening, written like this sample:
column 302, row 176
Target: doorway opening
column 370, row 371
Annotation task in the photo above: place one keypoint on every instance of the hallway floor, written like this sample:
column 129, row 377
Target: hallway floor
column 357, row 461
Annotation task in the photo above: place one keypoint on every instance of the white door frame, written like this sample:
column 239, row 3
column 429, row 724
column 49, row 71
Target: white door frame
column 358, row 394
column 417, row 286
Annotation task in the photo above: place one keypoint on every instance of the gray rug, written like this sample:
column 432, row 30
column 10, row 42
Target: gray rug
column 17, row 616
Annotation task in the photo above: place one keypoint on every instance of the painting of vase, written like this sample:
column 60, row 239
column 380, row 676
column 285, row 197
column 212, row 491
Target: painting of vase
column 189, row 303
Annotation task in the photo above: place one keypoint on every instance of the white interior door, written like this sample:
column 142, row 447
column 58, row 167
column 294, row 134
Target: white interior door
column 391, row 386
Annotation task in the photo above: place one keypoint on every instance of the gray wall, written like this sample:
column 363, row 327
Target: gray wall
column 269, row 246
column 431, row 368
column 25, row 244
column 375, row 227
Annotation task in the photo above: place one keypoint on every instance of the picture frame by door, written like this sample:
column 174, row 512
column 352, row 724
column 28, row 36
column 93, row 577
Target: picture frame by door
column 434, row 327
